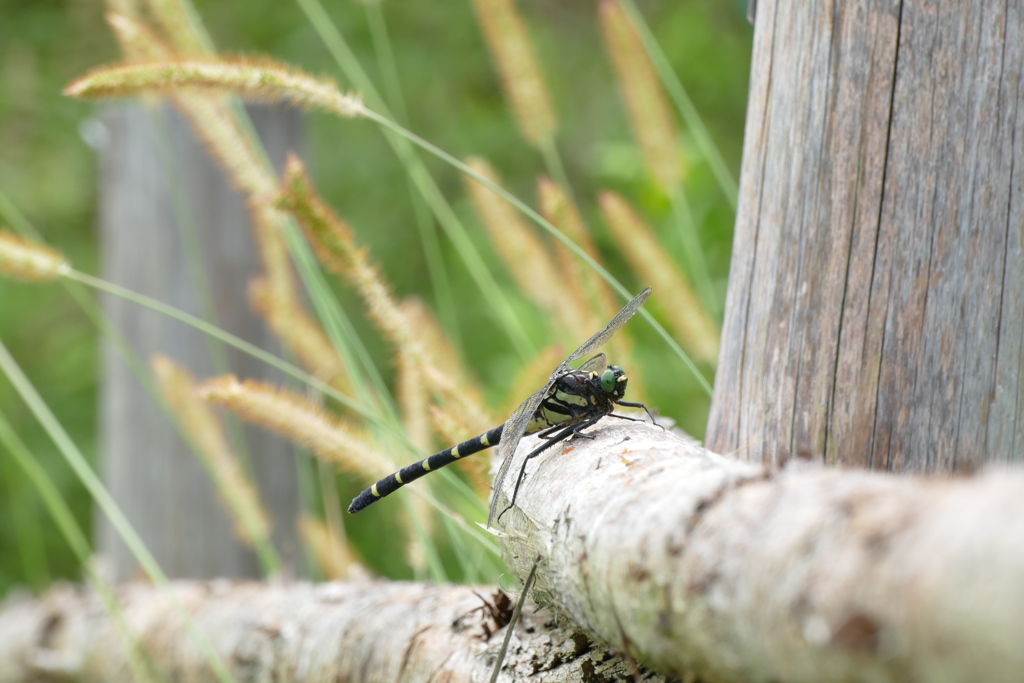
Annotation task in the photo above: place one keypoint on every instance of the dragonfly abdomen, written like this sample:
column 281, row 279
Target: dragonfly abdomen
column 393, row 482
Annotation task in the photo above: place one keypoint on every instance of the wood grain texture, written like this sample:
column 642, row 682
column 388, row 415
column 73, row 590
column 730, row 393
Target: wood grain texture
column 324, row 633
column 172, row 225
column 875, row 313
column 708, row 568
column 697, row 565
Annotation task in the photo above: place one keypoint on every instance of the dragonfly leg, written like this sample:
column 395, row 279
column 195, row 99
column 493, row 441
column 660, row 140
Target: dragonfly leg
column 630, row 404
column 562, row 435
column 577, row 432
column 546, row 433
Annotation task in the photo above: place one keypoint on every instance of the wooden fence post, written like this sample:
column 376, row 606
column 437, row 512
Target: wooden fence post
column 174, row 229
column 875, row 315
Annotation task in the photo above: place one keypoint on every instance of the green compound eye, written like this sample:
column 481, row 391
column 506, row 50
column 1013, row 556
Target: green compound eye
column 608, row 380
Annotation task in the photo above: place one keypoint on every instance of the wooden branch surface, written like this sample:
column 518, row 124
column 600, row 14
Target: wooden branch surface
column 358, row 631
column 688, row 561
column 691, row 561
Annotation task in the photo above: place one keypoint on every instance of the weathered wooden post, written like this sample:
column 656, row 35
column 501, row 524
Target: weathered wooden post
column 875, row 314
column 174, row 229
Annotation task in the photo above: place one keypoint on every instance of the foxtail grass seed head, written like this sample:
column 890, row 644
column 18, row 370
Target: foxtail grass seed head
column 436, row 342
column 444, row 371
column 26, row 260
column 414, row 399
column 127, row 8
column 334, row 243
column 301, row 334
column 260, row 80
column 593, row 299
column 214, row 122
column 335, row 246
column 206, row 433
column 138, row 41
column 649, row 112
column 210, row 113
column 298, row 420
column 641, row 248
column 331, row 238
column 181, row 26
column 559, row 210
column 524, row 253
column 535, row 374
column 519, row 69
column 333, row 555
column 269, row 224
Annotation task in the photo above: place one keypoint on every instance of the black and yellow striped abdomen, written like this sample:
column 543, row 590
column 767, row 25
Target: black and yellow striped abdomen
column 393, row 482
column 579, row 397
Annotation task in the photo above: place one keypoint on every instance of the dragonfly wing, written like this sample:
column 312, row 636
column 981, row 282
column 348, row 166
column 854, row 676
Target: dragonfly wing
column 516, row 425
column 512, row 432
column 601, row 337
column 595, row 364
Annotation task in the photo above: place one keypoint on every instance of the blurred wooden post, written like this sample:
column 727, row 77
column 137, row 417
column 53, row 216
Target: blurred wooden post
column 875, row 314
column 174, row 229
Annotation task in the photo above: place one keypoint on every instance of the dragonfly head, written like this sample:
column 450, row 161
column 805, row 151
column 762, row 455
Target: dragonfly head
column 613, row 381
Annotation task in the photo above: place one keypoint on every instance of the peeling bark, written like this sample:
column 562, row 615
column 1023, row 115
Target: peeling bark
column 353, row 631
column 693, row 562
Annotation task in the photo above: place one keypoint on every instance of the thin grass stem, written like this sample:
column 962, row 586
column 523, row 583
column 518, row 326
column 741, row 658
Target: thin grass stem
column 28, row 532
column 556, row 169
column 421, row 212
column 108, row 505
column 685, row 106
column 552, row 230
column 76, row 539
column 697, row 267
column 495, row 296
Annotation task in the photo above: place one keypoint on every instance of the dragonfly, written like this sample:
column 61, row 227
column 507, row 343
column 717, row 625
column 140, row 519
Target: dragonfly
column 571, row 401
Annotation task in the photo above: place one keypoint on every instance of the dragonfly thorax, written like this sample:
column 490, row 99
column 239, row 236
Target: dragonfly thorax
column 578, row 395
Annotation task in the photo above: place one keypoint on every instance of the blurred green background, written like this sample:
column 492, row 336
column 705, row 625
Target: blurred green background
column 48, row 172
